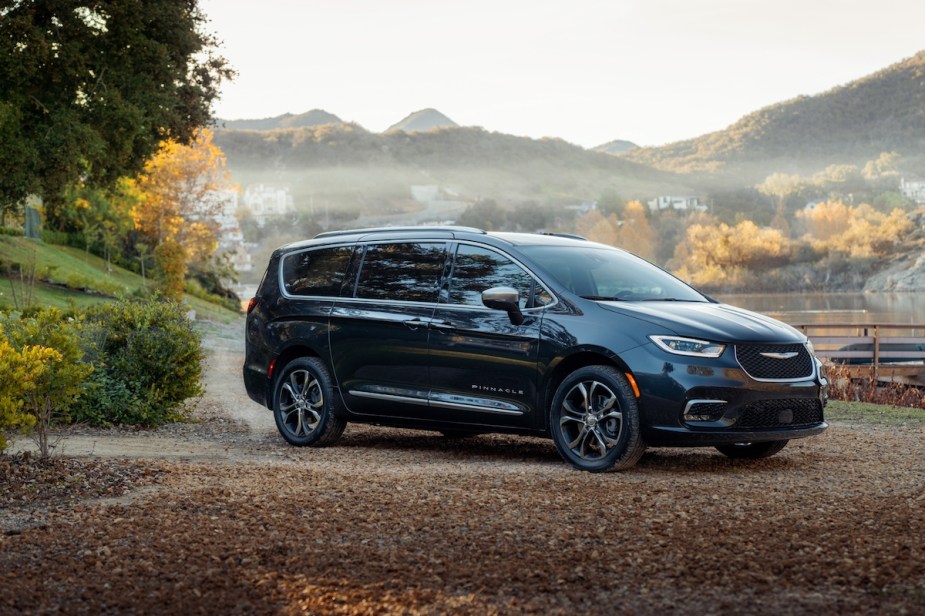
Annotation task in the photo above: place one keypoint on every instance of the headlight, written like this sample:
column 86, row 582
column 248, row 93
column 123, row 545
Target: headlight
column 688, row 346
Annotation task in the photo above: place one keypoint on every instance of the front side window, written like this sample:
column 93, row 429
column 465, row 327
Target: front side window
column 316, row 273
column 402, row 272
column 477, row 269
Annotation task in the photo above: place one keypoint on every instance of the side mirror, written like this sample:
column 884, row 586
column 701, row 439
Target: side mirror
column 506, row 299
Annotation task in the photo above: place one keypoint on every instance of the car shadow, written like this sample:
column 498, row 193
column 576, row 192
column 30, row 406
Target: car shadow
column 528, row 449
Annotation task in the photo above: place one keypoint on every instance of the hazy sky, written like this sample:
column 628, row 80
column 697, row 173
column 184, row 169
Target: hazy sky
column 588, row 71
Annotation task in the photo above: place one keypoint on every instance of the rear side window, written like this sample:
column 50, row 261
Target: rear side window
column 402, row 272
column 315, row 273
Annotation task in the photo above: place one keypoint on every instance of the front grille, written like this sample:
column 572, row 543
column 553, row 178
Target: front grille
column 780, row 413
column 770, row 361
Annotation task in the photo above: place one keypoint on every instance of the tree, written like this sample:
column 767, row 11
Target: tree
column 635, row 234
column 599, row 228
column 780, row 186
column 89, row 90
column 181, row 190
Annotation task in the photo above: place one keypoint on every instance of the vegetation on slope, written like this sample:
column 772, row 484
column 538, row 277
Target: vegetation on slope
column 848, row 124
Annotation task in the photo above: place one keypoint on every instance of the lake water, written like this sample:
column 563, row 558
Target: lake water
column 855, row 308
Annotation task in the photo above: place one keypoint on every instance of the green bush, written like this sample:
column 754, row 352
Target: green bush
column 148, row 363
column 13, row 231
column 59, row 238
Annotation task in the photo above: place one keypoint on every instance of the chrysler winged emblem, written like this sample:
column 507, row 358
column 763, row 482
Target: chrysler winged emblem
column 789, row 355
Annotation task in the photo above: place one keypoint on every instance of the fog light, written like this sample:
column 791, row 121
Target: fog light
column 704, row 410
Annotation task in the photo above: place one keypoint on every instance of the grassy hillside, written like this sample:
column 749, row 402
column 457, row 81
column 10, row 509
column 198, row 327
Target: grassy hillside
column 850, row 124
column 67, row 276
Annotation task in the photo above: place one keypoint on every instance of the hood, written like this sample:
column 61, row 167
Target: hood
column 713, row 322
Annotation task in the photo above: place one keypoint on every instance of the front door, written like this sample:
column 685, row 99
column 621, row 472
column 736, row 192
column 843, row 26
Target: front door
column 483, row 367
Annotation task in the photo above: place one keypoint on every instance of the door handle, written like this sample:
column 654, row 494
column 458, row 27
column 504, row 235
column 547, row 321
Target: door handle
column 442, row 325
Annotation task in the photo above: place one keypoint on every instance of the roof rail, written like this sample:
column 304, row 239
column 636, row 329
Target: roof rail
column 568, row 235
column 446, row 228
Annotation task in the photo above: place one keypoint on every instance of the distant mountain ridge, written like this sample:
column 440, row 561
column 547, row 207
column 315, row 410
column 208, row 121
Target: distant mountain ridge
column 423, row 121
column 617, row 146
column 315, row 117
column 884, row 111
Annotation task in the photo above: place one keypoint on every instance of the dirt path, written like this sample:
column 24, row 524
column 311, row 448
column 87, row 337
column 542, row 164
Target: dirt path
column 391, row 521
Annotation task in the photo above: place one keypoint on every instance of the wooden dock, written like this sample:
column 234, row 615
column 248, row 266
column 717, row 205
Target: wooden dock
column 892, row 352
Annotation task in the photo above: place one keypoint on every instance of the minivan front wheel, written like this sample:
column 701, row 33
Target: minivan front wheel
column 594, row 420
column 304, row 404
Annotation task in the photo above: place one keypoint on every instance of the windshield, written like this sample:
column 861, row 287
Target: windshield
column 602, row 273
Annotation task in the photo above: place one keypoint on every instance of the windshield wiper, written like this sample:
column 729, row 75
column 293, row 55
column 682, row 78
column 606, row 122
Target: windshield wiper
column 601, row 298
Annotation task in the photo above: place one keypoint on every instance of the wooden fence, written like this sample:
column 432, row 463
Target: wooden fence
column 885, row 351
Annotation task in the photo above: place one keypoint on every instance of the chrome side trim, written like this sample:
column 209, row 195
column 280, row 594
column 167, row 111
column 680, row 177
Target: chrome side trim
column 435, row 403
column 392, row 397
column 471, row 407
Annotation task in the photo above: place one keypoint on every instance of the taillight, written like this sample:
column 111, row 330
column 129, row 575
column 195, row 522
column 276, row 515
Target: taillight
column 270, row 369
column 251, row 304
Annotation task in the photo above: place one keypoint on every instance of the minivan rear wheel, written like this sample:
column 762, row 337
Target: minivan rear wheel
column 304, row 404
column 594, row 420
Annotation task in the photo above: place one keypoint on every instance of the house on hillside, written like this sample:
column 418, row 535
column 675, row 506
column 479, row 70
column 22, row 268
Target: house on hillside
column 265, row 202
column 684, row 203
column 230, row 238
column 914, row 190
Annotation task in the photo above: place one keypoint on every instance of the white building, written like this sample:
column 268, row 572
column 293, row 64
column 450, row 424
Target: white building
column 914, row 190
column 265, row 202
column 669, row 202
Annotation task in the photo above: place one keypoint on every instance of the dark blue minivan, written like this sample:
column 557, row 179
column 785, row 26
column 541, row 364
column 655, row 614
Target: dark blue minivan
column 465, row 332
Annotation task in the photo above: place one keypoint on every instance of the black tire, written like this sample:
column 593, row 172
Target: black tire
column 305, row 404
column 751, row 451
column 594, row 420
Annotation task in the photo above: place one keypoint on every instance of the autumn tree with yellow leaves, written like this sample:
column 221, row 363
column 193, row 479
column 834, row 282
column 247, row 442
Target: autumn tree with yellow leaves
column 181, row 189
column 631, row 232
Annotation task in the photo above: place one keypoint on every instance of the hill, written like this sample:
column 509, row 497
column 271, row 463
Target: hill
column 849, row 124
column 422, row 121
column 345, row 167
column 315, row 117
column 617, row 146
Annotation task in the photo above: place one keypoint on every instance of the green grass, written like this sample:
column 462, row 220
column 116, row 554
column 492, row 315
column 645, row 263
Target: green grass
column 68, row 267
column 876, row 414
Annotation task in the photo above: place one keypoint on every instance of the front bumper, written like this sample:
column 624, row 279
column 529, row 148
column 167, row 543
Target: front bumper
column 687, row 401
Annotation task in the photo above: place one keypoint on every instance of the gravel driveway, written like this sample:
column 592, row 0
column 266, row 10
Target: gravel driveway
column 221, row 516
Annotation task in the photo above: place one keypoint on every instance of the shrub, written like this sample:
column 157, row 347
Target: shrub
column 15, row 384
column 12, row 231
column 47, row 376
column 59, row 238
column 148, row 363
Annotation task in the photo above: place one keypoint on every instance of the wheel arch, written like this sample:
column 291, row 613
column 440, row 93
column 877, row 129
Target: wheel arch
column 289, row 353
column 568, row 364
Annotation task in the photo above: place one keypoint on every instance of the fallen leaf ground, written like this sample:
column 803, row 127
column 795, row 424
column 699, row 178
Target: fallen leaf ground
column 395, row 521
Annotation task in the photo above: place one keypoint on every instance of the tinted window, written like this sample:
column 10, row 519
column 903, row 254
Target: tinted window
column 404, row 272
column 317, row 272
column 477, row 269
column 598, row 272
